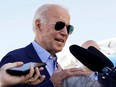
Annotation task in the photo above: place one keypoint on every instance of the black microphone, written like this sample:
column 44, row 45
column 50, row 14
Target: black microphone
column 101, row 55
column 90, row 58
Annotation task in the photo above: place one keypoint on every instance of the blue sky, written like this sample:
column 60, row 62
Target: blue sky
column 92, row 19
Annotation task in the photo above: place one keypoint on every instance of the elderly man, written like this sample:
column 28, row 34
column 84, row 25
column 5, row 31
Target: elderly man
column 52, row 28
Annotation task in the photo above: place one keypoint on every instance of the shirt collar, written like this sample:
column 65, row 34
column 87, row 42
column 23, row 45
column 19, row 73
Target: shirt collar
column 42, row 53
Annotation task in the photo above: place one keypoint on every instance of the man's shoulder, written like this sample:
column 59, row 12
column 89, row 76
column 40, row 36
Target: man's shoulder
column 19, row 54
column 18, row 50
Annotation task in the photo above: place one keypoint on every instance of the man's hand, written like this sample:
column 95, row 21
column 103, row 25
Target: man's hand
column 59, row 75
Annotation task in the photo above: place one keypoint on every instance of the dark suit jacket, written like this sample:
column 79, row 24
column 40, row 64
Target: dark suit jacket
column 27, row 54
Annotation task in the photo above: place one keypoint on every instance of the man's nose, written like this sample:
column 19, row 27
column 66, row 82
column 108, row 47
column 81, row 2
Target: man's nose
column 64, row 31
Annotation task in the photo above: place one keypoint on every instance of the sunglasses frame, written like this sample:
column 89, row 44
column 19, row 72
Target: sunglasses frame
column 59, row 25
column 70, row 28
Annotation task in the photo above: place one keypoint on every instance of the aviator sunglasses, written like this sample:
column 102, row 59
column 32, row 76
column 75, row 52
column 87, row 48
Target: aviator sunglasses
column 60, row 25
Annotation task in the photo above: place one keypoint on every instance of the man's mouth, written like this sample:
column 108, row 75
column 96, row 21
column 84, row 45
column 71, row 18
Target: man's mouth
column 59, row 40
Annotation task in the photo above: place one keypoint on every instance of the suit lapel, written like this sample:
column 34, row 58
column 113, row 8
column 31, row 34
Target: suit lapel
column 31, row 53
column 35, row 58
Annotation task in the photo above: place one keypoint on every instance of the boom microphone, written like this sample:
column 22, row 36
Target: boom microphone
column 93, row 59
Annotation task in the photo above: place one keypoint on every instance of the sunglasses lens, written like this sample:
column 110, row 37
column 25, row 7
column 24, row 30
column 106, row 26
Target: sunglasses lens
column 70, row 29
column 59, row 25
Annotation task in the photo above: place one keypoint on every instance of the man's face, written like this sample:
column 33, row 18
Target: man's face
column 54, row 40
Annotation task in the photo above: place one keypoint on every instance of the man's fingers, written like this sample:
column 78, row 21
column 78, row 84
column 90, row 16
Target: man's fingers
column 59, row 68
column 31, row 72
column 19, row 63
column 41, row 79
column 37, row 74
column 41, row 68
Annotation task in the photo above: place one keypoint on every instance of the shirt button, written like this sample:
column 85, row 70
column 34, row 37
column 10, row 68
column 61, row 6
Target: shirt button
column 103, row 77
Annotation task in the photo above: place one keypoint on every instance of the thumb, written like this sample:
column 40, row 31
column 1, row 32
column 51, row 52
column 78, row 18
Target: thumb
column 59, row 68
column 11, row 65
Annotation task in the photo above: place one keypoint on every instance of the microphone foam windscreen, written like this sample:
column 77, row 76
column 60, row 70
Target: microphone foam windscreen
column 101, row 55
column 88, row 58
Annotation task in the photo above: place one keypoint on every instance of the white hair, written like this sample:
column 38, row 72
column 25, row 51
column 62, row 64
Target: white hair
column 42, row 13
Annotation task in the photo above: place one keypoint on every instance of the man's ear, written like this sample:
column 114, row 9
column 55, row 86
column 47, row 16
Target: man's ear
column 37, row 24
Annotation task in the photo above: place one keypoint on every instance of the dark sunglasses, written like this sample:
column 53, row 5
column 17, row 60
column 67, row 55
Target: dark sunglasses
column 60, row 25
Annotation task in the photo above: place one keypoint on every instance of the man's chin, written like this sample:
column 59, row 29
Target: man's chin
column 58, row 50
